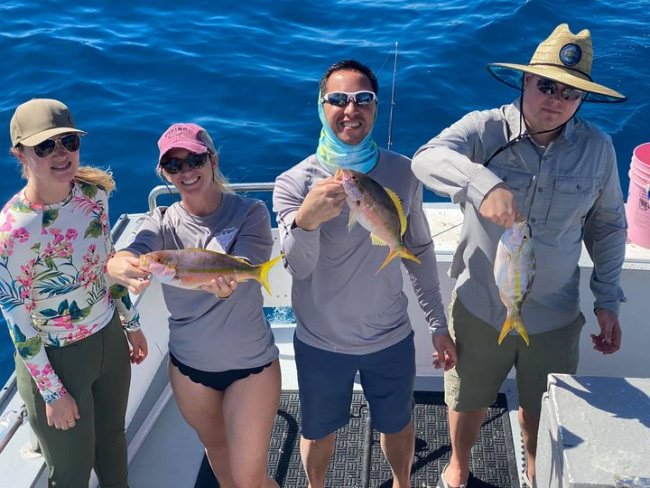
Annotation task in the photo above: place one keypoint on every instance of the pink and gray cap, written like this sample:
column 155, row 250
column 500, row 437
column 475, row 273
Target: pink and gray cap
column 192, row 137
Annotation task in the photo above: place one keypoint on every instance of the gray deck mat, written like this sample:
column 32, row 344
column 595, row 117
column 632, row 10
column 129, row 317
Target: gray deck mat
column 493, row 457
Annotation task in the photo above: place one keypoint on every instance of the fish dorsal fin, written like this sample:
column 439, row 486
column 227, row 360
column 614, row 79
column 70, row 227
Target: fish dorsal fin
column 400, row 211
column 239, row 259
column 352, row 220
column 376, row 241
column 198, row 249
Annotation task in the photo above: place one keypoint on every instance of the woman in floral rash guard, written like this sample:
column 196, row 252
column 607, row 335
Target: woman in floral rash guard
column 72, row 361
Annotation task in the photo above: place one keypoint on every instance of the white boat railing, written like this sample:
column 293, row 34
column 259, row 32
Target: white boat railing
column 161, row 190
column 9, row 424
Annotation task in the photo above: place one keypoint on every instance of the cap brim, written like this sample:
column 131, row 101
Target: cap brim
column 511, row 75
column 194, row 146
column 46, row 134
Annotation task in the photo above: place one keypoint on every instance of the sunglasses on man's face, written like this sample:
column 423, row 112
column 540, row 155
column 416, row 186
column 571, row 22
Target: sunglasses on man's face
column 342, row 99
column 175, row 165
column 549, row 87
column 69, row 142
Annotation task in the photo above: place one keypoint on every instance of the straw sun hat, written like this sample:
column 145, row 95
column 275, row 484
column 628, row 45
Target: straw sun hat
column 563, row 57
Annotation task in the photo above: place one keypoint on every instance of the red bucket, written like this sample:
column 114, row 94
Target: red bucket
column 637, row 209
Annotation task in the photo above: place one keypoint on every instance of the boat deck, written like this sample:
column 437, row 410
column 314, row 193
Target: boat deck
column 357, row 462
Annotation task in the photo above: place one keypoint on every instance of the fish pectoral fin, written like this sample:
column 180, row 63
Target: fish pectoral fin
column 352, row 220
column 377, row 241
column 400, row 211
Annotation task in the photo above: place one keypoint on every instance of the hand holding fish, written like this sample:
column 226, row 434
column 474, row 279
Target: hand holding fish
column 499, row 206
column 444, row 352
column 609, row 339
column 205, row 270
column 220, row 287
column 323, row 202
column 125, row 268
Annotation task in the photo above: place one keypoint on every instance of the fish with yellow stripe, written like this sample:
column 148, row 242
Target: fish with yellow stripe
column 514, row 271
column 378, row 210
column 192, row 268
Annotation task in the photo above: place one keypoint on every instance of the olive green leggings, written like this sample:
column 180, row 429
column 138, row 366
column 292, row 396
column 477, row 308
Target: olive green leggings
column 96, row 372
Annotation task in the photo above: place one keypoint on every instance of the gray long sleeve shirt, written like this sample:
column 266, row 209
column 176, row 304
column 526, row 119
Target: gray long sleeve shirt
column 205, row 332
column 342, row 304
column 569, row 192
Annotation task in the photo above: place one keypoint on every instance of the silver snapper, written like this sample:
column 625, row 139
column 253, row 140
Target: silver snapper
column 514, row 271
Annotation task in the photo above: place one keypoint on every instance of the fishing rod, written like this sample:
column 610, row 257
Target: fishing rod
column 392, row 100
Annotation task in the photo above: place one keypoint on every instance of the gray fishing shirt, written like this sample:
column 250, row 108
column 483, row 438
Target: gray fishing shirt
column 570, row 193
column 342, row 304
column 206, row 332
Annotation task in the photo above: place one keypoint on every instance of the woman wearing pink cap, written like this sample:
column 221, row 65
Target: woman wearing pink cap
column 72, row 361
column 224, row 367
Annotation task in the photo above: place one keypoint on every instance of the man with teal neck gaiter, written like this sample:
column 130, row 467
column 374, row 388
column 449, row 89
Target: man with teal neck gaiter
column 334, row 153
column 349, row 318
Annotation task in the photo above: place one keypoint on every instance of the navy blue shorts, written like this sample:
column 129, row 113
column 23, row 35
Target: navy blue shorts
column 216, row 380
column 326, row 380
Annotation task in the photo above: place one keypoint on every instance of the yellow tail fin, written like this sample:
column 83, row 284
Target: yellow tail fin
column 401, row 252
column 513, row 321
column 264, row 268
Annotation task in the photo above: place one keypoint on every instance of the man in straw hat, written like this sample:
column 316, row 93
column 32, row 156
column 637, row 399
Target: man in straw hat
column 535, row 160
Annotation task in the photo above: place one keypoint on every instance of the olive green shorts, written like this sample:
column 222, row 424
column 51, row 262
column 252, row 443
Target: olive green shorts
column 483, row 365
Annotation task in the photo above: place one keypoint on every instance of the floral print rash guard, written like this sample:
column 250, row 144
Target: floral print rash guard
column 53, row 289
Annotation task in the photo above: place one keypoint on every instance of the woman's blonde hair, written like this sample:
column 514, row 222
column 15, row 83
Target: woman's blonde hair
column 97, row 177
column 85, row 174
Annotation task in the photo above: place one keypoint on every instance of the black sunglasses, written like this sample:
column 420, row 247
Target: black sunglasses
column 175, row 165
column 69, row 142
column 549, row 87
column 342, row 99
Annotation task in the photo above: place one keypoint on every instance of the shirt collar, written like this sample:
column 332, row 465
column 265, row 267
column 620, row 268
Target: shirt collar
column 514, row 121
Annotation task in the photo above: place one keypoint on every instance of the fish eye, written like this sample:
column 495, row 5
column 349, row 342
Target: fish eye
column 159, row 260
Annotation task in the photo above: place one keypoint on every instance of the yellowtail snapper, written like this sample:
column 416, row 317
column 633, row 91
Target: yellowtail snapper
column 378, row 210
column 191, row 268
column 514, row 271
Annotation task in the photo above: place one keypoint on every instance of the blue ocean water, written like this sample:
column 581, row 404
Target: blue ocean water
column 248, row 71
